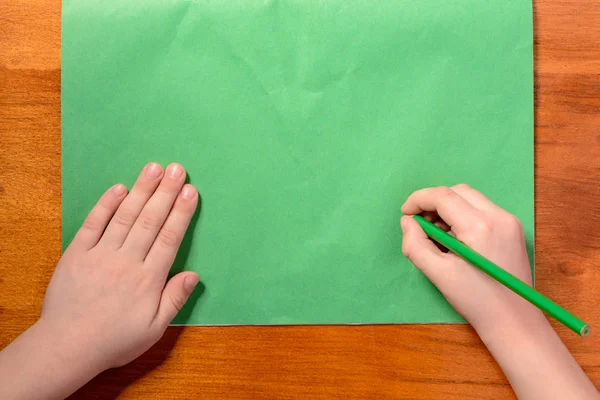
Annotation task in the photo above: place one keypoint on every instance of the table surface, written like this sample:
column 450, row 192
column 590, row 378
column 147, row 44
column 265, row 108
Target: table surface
column 416, row 361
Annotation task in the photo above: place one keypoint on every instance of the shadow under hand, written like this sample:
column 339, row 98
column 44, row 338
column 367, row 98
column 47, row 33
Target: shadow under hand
column 110, row 383
column 186, row 244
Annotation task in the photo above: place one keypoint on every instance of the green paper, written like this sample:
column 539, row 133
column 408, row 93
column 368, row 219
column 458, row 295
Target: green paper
column 305, row 125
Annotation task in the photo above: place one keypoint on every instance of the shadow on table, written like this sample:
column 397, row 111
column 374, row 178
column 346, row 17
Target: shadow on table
column 109, row 384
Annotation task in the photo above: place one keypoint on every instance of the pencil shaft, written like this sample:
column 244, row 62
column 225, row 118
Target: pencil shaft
column 503, row 276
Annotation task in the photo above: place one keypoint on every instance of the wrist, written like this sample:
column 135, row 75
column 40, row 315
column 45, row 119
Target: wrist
column 66, row 352
column 535, row 361
column 41, row 364
column 513, row 326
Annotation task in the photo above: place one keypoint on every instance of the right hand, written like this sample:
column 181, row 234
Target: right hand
column 488, row 229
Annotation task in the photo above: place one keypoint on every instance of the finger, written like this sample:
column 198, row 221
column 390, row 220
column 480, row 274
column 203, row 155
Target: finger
column 476, row 198
column 164, row 249
column 433, row 217
column 430, row 215
column 449, row 205
column 174, row 295
column 130, row 209
column 442, row 225
column 155, row 212
column 94, row 225
column 446, row 228
column 417, row 247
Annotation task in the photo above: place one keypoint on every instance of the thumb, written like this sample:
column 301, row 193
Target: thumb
column 417, row 247
column 174, row 295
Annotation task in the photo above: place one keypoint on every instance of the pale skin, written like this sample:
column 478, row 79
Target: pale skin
column 530, row 353
column 107, row 302
column 109, row 299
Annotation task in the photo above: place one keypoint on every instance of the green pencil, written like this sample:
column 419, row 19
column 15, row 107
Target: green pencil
column 504, row 277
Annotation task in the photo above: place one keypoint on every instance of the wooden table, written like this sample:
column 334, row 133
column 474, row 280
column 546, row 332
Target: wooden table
column 374, row 362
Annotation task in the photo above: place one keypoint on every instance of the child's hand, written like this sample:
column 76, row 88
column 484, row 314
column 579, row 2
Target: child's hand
column 487, row 229
column 535, row 361
column 107, row 300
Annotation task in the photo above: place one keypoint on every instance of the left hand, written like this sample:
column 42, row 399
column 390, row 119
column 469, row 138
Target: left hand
column 107, row 300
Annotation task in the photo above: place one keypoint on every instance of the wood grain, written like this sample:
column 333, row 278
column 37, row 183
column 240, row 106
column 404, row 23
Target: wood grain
column 420, row 362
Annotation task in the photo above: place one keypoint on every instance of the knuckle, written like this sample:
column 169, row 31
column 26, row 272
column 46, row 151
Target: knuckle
column 185, row 207
column 462, row 186
column 167, row 188
column 169, row 238
column 150, row 222
column 124, row 218
column 106, row 205
column 406, row 249
column 445, row 192
column 93, row 223
column 177, row 302
column 145, row 187
column 513, row 223
column 482, row 227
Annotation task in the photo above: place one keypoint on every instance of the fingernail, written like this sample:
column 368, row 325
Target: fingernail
column 153, row 171
column 175, row 171
column 119, row 189
column 188, row 191
column 190, row 282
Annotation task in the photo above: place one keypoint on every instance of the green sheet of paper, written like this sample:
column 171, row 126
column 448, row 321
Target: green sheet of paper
column 305, row 125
